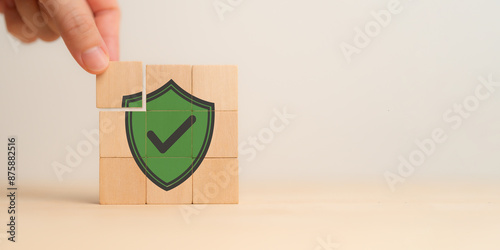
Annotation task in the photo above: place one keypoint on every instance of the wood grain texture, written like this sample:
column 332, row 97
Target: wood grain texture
column 225, row 137
column 158, row 75
column 112, row 137
column 120, row 79
column 121, row 182
column 182, row 194
column 217, row 84
column 216, row 181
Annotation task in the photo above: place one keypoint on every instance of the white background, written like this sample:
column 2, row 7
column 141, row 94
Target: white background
column 353, row 120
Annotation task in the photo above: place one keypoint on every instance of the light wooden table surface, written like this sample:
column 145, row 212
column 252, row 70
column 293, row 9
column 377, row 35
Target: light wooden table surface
column 450, row 215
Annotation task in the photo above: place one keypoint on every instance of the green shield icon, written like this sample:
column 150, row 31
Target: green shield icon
column 170, row 140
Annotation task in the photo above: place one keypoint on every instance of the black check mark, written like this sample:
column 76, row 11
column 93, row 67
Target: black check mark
column 164, row 146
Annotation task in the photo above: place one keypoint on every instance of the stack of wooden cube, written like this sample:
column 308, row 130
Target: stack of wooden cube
column 121, row 180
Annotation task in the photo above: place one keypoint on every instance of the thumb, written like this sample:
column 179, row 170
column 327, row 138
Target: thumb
column 75, row 22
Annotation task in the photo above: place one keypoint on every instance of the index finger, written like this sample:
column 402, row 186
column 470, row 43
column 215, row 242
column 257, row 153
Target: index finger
column 107, row 19
column 75, row 22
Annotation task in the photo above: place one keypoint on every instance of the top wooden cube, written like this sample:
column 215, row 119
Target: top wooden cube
column 120, row 79
column 216, row 84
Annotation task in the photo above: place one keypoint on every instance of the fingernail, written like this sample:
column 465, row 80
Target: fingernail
column 95, row 59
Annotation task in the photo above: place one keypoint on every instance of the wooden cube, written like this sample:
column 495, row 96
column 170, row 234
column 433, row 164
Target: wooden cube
column 225, row 136
column 112, row 133
column 162, row 126
column 216, row 181
column 120, row 79
column 159, row 75
column 217, row 84
column 182, row 194
column 121, row 182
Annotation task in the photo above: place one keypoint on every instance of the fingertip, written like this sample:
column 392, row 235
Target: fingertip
column 95, row 60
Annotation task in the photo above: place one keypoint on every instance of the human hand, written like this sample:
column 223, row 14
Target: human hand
column 89, row 28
